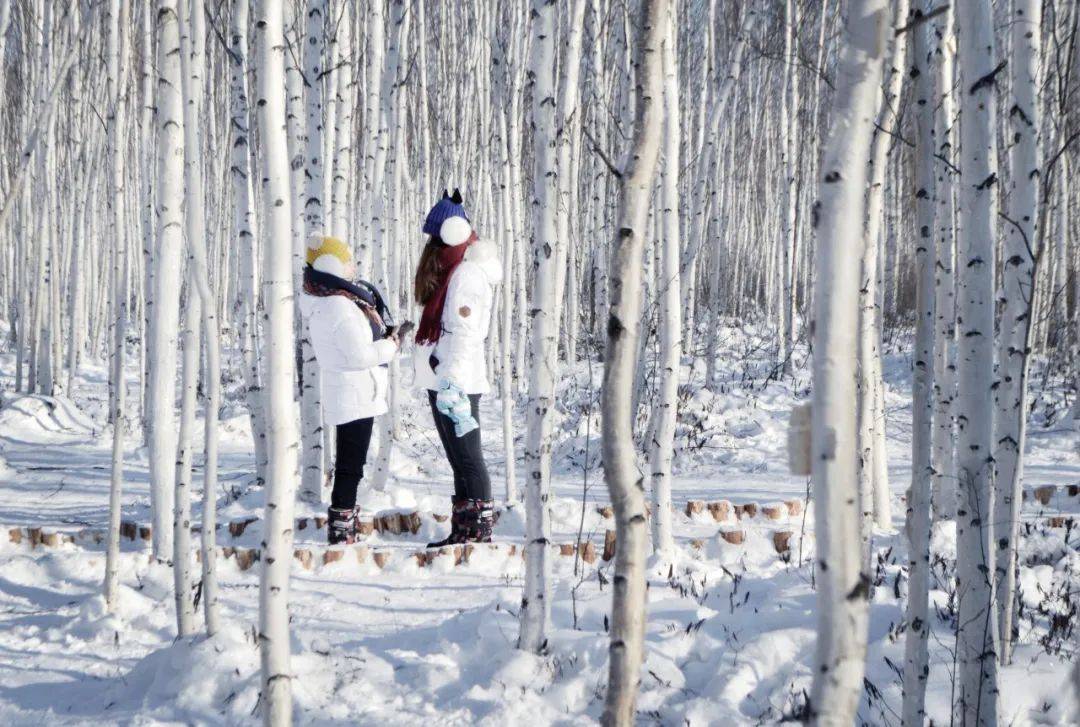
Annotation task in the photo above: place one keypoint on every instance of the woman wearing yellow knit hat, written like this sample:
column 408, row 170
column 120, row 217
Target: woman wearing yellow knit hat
column 353, row 339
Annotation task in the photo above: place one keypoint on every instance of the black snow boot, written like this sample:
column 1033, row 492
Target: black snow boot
column 471, row 522
column 340, row 526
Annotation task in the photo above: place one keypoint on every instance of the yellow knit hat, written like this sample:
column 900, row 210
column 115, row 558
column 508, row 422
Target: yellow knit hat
column 328, row 254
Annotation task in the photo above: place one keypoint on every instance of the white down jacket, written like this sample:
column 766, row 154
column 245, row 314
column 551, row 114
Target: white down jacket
column 465, row 321
column 354, row 382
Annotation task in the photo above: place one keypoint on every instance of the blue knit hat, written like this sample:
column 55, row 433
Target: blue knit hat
column 448, row 221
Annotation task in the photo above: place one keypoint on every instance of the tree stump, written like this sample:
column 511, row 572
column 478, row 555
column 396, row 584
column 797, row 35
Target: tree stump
column 1057, row 521
column 720, row 511
column 128, row 529
column 782, row 540
column 332, row 556
column 145, row 532
column 361, row 552
column 747, row 509
column 246, row 557
column 1044, row 494
column 365, row 527
column 1074, row 490
column 694, row 507
column 735, row 537
column 237, row 527
column 50, row 540
column 301, row 524
column 566, row 549
column 774, row 512
column 606, row 511
column 588, row 551
column 410, row 521
column 609, row 545
column 794, row 507
column 34, row 534
column 440, row 517
column 379, row 557
column 15, row 535
column 304, row 556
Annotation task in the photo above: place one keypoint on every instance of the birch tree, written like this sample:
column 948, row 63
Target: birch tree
column 116, row 63
column 843, row 579
column 1017, row 289
column 661, row 449
column 977, row 646
column 282, row 436
column 535, row 615
column 624, row 479
column 916, row 658
column 165, row 317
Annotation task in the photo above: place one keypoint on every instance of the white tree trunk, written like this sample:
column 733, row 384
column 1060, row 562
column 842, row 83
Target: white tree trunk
column 977, row 647
column 315, row 222
column 282, row 439
column 916, row 655
column 1021, row 241
column 621, row 472
column 662, row 446
column 165, row 319
column 844, row 581
column 193, row 53
column 873, row 479
column 116, row 67
column 535, row 615
column 945, row 286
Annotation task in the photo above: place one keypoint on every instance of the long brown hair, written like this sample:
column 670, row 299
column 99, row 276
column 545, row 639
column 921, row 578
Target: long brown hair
column 428, row 271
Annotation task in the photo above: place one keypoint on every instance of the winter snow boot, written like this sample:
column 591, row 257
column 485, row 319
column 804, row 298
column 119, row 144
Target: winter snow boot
column 340, row 526
column 471, row 522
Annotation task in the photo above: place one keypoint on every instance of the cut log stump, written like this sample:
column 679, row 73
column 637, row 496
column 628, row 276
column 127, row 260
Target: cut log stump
column 1044, row 494
column 588, row 551
column 694, row 507
column 782, row 540
column 735, row 537
column 304, row 556
column 774, row 512
column 720, row 511
column 609, row 545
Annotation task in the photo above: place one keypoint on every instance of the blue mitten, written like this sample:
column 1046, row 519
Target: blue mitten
column 452, row 402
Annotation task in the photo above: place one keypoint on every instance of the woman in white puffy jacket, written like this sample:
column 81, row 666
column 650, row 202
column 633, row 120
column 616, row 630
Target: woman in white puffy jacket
column 352, row 346
column 454, row 280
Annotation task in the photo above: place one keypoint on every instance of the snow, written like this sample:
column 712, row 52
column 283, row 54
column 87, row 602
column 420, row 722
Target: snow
column 731, row 627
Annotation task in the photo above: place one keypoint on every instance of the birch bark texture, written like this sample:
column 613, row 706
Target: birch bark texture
column 624, row 479
column 843, row 579
column 977, row 647
column 282, row 435
column 916, row 656
column 535, row 603
column 1017, row 290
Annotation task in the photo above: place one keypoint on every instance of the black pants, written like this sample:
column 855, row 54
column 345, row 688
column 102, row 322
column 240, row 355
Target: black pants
column 471, row 479
column 351, row 451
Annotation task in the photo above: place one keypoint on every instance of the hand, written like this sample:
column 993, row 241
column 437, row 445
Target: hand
column 452, row 403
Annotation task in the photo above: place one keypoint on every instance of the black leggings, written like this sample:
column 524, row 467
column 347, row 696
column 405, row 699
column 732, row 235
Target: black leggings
column 471, row 481
column 353, row 439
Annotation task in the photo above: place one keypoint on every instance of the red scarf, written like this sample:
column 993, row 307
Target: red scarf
column 431, row 319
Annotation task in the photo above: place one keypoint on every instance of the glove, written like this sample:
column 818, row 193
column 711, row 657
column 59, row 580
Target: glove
column 454, row 405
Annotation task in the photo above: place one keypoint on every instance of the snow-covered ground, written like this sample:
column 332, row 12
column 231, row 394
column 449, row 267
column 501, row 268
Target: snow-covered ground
column 731, row 625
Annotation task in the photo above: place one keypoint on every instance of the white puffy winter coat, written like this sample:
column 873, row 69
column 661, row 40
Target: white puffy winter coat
column 354, row 382
column 465, row 321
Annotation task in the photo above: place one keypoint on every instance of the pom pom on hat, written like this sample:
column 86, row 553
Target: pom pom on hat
column 328, row 255
column 455, row 231
column 447, row 207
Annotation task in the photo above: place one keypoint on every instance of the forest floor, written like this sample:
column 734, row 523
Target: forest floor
column 383, row 636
